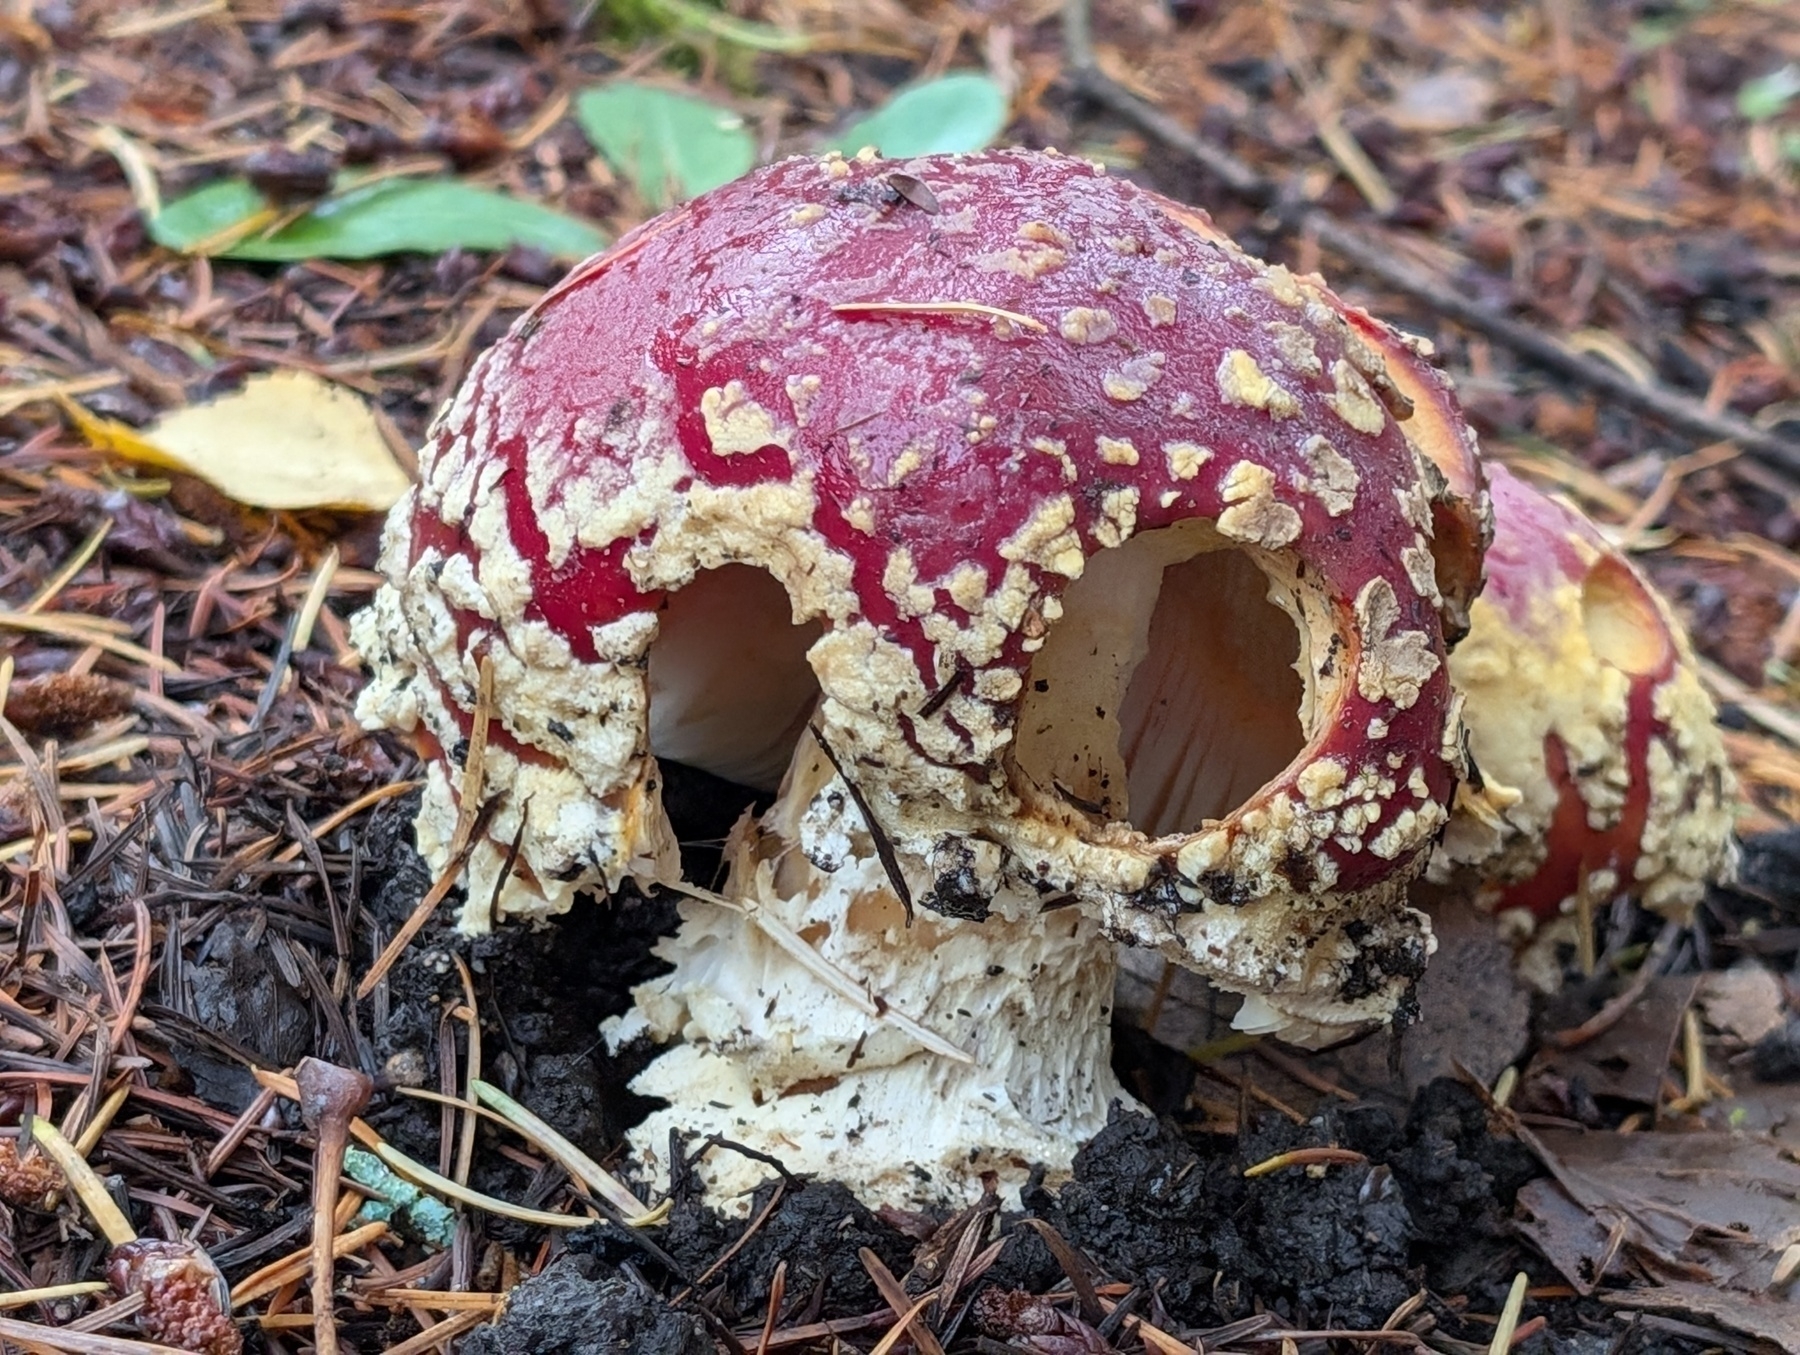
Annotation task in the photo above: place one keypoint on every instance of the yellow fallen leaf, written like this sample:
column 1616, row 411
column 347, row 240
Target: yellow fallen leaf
column 286, row 440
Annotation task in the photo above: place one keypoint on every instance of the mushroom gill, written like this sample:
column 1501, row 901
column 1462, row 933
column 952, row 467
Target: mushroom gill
column 1170, row 690
column 730, row 687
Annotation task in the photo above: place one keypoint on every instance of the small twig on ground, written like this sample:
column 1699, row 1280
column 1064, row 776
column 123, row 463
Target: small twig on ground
column 1509, row 1316
column 436, row 1337
column 1608, row 1016
column 427, row 905
column 772, row 1311
column 901, row 1327
column 107, row 1216
column 24, row 1298
column 292, row 1268
column 30, row 1336
column 577, row 1163
column 1075, row 1266
column 744, row 1237
column 911, row 1310
column 821, row 1331
column 1305, row 1157
column 330, row 1098
column 1377, row 1338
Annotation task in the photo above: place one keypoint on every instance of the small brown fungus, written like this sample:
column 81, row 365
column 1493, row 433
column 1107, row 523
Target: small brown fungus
column 330, row 1098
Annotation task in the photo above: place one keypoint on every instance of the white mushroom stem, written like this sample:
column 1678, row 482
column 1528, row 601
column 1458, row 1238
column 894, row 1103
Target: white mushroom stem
column 1010, row 1069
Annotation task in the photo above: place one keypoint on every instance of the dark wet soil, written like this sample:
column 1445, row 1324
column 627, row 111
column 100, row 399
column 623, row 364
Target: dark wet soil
column 1338, row 1246
column 1154, row 1204
column 817, row 1229
column 575, row 1307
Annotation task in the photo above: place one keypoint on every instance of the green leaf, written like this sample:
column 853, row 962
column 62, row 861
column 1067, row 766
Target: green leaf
column 668, row 145
column 1767, row 95
column 759, row 37
column 394, row 216
column 1646, row 35
column 964, row 111
column 205, row 213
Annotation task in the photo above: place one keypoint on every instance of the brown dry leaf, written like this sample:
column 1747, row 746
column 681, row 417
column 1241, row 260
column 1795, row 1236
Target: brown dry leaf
column 1746, row 1001
column 286, row 440
column 1710, row 1208
column 1630, row 1058
column 1569, row 1237
column 1757, row 1315
column 1771, row 1108
column 1474, row 1011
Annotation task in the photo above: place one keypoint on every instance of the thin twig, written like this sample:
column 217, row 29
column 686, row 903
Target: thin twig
column 899, row 1300
column 572, row 1160
column 884, row 848
column 435, row 1337
column 30, row 1336
column 721, row 1261
column 1609, row 1015
column 421, row 913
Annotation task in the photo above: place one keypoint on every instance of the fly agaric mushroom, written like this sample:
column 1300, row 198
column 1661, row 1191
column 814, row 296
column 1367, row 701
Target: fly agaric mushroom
column 1066, row 571
column 1599, row 769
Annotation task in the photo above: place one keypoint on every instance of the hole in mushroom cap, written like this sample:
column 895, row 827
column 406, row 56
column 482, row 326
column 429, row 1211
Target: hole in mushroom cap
column 730, row 687
column 1167, row 693
column 1456, row 552
column 1622, row 621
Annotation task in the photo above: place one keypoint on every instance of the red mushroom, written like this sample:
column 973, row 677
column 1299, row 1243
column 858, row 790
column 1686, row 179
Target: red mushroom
column 1599, row 768
column 1067, row 571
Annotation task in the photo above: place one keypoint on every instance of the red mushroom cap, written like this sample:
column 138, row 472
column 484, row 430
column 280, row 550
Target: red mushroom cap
column 1462, row 520
column 928, row 412
column 1599, row 766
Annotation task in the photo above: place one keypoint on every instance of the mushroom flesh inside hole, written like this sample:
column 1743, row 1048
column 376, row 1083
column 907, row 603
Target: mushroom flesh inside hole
column 730, row 688
column 1169, row 692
